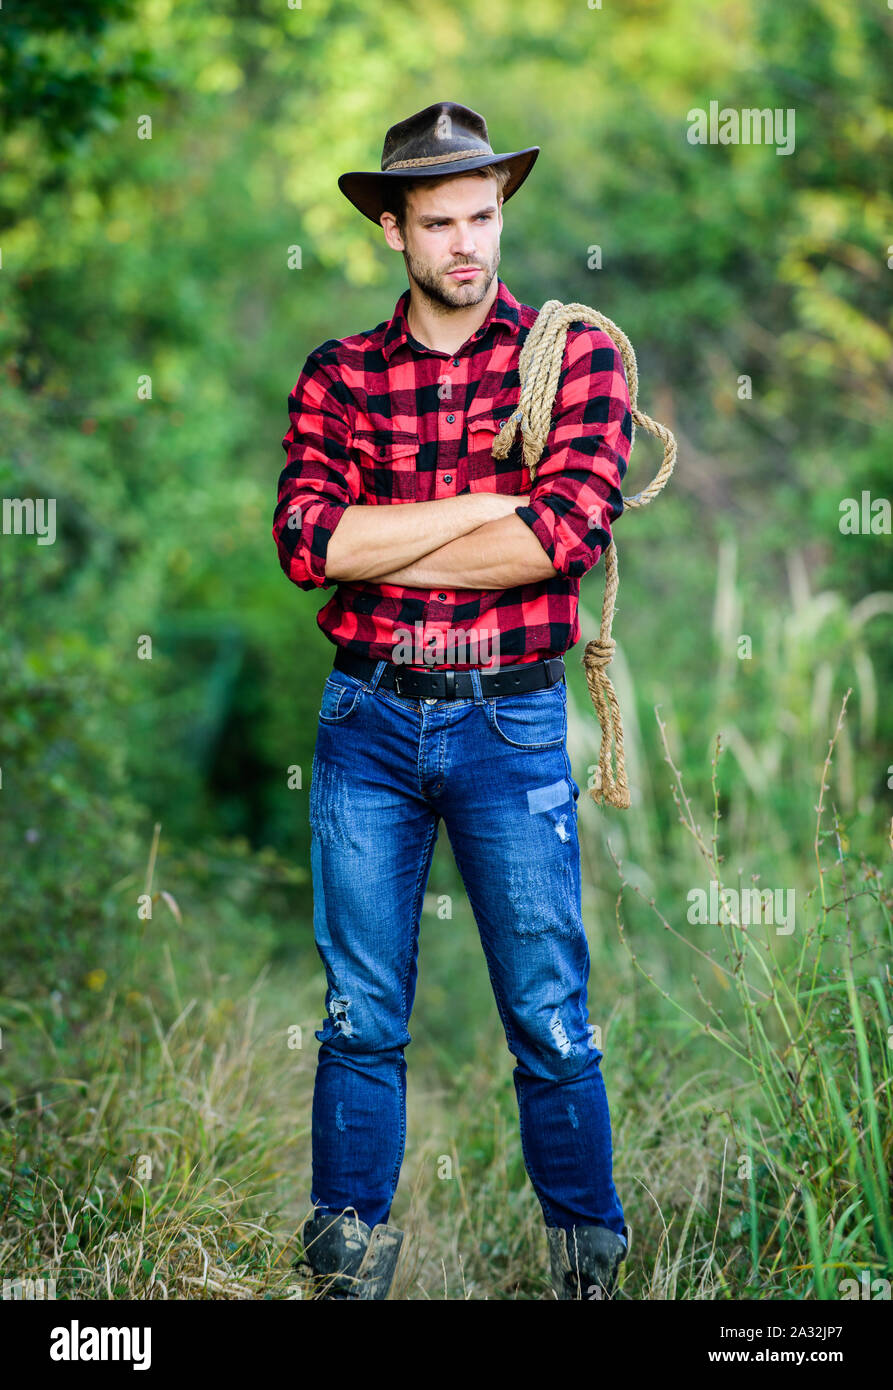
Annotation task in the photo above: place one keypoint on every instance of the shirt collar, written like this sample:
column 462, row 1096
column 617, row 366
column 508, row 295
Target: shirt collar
column 504, row 311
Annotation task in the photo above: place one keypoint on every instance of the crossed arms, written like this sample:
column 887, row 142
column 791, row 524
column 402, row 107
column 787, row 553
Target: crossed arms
column 477, row 540
column 473, row 541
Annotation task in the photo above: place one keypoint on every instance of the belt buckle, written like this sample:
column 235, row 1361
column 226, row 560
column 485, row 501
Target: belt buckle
column 397, row 679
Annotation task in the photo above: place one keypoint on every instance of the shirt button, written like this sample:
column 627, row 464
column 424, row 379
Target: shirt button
column 447, row 477
column 450, row 419
column 442, row 597
column 456, row 362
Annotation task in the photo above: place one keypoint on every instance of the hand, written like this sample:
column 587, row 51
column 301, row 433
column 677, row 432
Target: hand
column 495, row 505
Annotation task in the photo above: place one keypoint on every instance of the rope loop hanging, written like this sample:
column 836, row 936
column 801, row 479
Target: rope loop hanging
column 539, row 368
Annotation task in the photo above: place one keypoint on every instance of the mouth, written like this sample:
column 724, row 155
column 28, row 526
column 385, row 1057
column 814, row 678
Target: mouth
column 465, row 272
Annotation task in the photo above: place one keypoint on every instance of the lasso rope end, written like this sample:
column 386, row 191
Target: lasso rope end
column 614, row 796
column 506, row 436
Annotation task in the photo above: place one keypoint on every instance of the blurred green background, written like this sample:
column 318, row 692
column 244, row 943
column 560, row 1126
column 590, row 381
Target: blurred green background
column 168, row 257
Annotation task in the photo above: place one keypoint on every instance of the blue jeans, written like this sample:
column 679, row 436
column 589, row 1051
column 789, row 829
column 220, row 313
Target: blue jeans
column 386, row 768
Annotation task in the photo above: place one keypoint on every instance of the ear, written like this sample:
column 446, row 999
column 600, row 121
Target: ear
column 391, row 231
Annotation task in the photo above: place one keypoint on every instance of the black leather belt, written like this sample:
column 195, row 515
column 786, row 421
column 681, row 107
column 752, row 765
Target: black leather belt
column 454, row 685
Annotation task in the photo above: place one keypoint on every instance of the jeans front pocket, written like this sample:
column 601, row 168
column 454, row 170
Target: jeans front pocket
column 341, row 696
column 532, row 721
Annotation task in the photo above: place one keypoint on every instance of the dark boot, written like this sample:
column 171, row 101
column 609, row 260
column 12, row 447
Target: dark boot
column 348, row 1260
column 585, row 1262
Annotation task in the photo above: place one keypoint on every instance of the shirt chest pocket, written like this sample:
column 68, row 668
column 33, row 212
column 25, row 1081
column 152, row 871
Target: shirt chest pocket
column 387, row 461
column 485, row 473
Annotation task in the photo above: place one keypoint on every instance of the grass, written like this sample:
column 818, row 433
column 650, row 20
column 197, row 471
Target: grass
column 811, row 1123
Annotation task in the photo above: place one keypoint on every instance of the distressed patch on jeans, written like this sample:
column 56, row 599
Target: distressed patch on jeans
column 542, row 896
column 334, row 810
column 546, row 798
column 562, row 1041
column 338, row 1009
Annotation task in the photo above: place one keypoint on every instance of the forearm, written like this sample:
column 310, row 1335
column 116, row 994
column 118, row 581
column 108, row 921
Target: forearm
column 498, row 555
column 370, row 541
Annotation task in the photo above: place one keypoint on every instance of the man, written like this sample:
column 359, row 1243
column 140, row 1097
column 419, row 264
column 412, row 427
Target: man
column 457, row 595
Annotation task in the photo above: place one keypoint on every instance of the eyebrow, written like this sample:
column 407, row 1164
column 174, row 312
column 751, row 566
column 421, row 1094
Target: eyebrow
column 426, row 217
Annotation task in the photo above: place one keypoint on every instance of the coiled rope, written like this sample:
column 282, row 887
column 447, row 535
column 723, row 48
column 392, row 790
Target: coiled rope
column 539, row 368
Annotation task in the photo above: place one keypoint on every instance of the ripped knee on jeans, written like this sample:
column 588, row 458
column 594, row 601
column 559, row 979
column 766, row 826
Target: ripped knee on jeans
column 338, row 1007
column 338, row 1022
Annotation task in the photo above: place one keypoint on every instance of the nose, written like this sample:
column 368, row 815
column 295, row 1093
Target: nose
column 464, row 243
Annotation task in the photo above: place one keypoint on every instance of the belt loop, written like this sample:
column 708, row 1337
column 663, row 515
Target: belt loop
column 449, row 683
column 377, row 675
column 476, row 685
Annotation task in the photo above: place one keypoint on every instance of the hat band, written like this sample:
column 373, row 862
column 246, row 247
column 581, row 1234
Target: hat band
column 437, row 159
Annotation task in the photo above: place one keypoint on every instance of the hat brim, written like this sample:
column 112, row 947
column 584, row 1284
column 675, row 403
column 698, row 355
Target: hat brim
column 365, row 190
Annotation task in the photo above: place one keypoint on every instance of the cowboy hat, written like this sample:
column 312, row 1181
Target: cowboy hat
column 445, row 138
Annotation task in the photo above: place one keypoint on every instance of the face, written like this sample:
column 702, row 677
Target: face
column 452, row 227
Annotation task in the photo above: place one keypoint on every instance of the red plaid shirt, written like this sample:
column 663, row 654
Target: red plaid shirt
column 378, row 418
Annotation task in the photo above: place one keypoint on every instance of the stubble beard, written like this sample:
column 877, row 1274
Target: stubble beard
column 437, row 289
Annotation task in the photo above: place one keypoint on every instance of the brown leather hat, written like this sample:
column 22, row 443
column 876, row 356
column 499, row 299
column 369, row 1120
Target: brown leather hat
column 445, row 138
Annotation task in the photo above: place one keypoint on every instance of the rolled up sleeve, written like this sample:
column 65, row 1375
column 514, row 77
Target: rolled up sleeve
column 576, row 494
column 319, row 480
